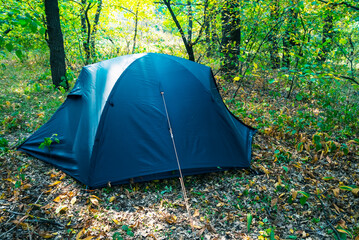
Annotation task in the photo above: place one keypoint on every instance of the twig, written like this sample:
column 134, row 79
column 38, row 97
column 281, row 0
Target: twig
column 8, row 231
column 326, row 218
column 36, row 219
column 39, row 197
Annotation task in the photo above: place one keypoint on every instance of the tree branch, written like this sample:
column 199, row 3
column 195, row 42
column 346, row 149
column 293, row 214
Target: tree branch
column 341, row 3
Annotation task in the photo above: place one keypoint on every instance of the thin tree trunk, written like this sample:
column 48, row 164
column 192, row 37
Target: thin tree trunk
column 56, row 44
column 289, row 37
column 207, row 25
column 190, row 21
column 136, row 26
column 273, row 38
column 231, row 36
column 94, row 29
column 188, row 45
column 88, row 35
column 327, row 37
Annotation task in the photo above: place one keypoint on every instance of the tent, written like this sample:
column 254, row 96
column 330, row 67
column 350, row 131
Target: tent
column 116, row 123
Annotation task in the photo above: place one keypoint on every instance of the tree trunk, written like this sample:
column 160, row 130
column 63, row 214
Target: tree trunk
column 273, row 38
column 56, row 44
column 231, row 36
column 136, row 26
column 188, row 44
column 327, row 37
column 289, row 37
column 207, row 30
column 94, row 29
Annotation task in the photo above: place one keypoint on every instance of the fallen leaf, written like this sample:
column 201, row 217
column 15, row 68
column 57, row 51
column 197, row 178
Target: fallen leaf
column 46, row 234
column 73, row 200
column 70, row 194
column 116, row 221
column 54, row 183
column 171, row 219
column 294, row 195
column 196, row 213
column 151, row 235
column 26, row 186
column 79, row 234
column 111, row 199
column 355, row 191
column 274, row 202
column 94, row 201
column 61, row 209
column 57, row 199
column 94, row 196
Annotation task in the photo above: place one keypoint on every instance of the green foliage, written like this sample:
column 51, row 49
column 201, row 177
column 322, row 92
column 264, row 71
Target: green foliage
column 304, row 198
column 48, row 141
column 4, row 144
column 117, row 236
column 249, row 221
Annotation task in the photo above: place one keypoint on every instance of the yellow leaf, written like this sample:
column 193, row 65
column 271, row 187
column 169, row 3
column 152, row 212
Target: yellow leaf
column 355, row 191
column 112, row 199
column 336, row 192
column 220, row 204
column 294, row 195
column 94, row 201
column 63, row 176
column 236, row 79
column 54, row 183
column 70, row 194
column 26, row 186
column 46, row 235
column 61, row 209
column 57, row 199
column 171, row 219
column 73, row 200
column 116, row 221
column 196, row 213
column 79, row 235
column 94, row 196
column 8, row 103
column 196, row 226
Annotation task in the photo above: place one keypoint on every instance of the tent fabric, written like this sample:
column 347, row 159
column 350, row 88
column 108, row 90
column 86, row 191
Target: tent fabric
column 113, row 125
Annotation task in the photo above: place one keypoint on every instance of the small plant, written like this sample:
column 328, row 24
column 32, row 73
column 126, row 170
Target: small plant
column 128, row 230
column 4, row 144
column 48, row 141
column 117, row 236
column 303, row 199
column 167, row 190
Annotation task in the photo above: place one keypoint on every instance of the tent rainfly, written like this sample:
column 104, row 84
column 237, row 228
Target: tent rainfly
column 116, row 124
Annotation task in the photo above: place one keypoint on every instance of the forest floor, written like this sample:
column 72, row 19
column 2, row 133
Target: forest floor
column 308, row 188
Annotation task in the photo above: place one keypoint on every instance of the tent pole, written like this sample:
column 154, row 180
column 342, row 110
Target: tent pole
column 178, row 163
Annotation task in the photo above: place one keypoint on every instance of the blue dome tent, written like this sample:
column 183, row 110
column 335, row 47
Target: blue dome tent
column 116, row 124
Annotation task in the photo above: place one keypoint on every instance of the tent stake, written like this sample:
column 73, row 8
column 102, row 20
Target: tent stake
column 178, row 163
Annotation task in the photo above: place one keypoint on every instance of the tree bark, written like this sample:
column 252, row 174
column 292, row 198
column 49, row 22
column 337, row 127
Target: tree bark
column 94, row 29
column 56, row 44
column 188, row 44
column 231, row 36
column 136, row 26
column 327, row 37
column 289, row 37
